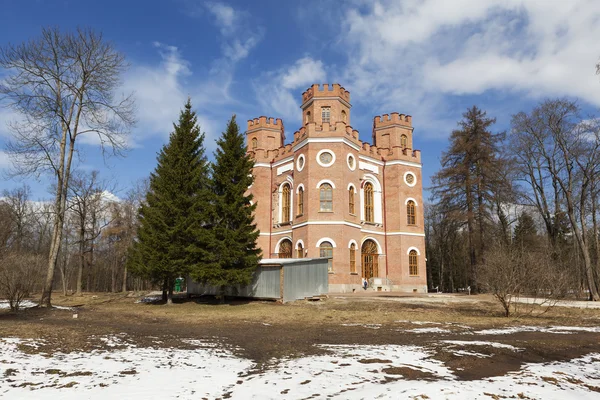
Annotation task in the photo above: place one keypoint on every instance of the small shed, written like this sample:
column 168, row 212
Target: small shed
column 285, row 279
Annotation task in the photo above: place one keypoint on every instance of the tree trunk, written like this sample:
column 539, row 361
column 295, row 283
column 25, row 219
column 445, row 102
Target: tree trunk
column 81, row 261
column 124, row 288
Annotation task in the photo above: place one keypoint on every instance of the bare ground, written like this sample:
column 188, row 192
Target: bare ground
column 266, row 332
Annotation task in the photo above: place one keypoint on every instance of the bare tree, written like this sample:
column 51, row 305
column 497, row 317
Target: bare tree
column 63, row 86
column 20, row 213
column 557, row 147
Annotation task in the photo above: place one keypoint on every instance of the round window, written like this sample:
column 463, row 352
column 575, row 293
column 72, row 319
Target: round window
column 300, row 162
column 410, row 179
column 326, row 158
column 351, row 162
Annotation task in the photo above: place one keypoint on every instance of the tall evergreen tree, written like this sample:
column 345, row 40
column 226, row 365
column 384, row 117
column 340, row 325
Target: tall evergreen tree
column 177, row 199
column 235, row 255
column 471, row 180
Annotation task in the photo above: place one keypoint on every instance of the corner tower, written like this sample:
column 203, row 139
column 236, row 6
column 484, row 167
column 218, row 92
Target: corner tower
column 265, row 134
column 326, row 104
column 393, row 132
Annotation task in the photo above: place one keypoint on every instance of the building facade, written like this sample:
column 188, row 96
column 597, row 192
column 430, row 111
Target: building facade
column 328, row 194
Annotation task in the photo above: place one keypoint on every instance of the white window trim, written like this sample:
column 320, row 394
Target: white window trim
column 322, row 181
column 300, row 186
column 411, row 249
column 286, row 182
column 332, row 158
column 409, row 199
column 348, row 161
column 326, row 239
column 352, row 241
column 377, row 198
column 351, row 185
column 413, row 174
column 379, row 248
column 279, row 243
column 300, row 157
column 300, row 242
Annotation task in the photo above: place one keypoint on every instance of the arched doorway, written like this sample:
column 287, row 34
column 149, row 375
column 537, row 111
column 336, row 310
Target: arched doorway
column 285, row 249
column 370, row 259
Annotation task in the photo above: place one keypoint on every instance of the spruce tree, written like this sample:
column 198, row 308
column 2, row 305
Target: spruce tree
column 177, row 199
column 235, row 255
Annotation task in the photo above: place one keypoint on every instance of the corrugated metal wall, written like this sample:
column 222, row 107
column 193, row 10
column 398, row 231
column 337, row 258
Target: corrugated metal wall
column 301, row 278
column 305, row 278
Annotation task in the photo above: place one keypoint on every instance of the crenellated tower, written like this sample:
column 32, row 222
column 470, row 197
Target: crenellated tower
column 265, row 134
column 326, row 104
column 393, row 133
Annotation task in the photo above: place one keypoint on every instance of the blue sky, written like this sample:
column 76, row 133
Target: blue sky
column 428, row 58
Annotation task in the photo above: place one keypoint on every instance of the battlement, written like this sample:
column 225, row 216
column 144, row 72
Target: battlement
column 264, row 122
column 392, row 119
column 325, row 90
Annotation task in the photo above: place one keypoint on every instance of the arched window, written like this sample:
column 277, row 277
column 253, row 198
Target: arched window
column 413, row 263
column 285, row 204
column 326, row 197
column 254, row 143
column 308, row 117
column 300, row 201
column 351, row 200
column 285, row 249
column 352, row 258
column 403, row 141
column 344, row 116
column 300, row 251
column 369, row 214
column 326, row 250
column 411, row 218
column 370, row 259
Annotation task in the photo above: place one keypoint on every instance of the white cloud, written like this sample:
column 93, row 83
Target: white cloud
column 278, row 91
column 5, row 161
column 225, row 15
column 407, row 55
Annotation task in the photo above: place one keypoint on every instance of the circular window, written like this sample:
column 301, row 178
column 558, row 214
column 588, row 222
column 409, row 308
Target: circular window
column 351, row 162
column 300, row 162
column 325, row 158
column 410, row 179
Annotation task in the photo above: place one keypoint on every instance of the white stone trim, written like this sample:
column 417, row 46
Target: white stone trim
column 300, row 186
column 368, row 167
column 353, row 186
column 379, row 249
column 348, row 156
column 327, row 223
column 377, row 198
column 355, row 244
column 409, row 199
column 326, row 239
column 413, row 248
column 326, row 140
column 280, row 233
column 285, row 168
column 407, row 163
column 300, row 242
column 370, row 159
column 372, row 232
column 283, row 161
column 332, row 157
column 301, row 157
column 405, row 234
column 281, row 240
column 289, row 182
column 322, row 181
column 262, row 165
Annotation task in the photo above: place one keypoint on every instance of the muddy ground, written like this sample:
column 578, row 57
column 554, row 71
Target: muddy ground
column 265, row 332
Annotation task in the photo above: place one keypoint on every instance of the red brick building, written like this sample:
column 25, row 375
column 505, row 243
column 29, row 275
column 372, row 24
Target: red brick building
column 328, row 194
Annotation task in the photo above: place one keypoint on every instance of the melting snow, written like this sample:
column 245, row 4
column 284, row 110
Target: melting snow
column 345, row 372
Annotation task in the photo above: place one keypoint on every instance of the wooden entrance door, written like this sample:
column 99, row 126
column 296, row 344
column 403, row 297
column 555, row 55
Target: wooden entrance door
column 370, row 259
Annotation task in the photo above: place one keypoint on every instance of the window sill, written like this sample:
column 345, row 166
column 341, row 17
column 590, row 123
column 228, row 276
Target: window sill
column 299, row 215
column 353, row 273
column 326, row 212
column 330, row 272
column 414, row 276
